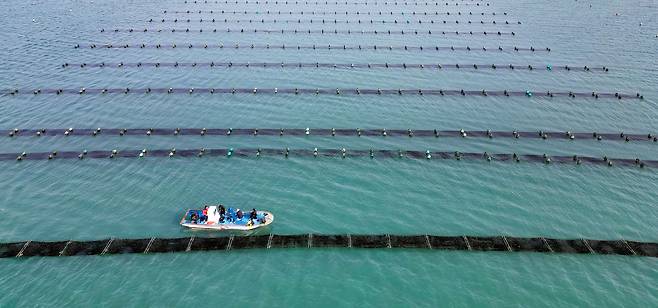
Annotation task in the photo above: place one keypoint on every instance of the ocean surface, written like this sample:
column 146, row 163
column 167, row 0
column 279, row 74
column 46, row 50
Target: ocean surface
column 139, row 198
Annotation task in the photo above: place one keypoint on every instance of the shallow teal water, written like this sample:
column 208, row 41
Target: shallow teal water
column 334, row 278
column 144, row 198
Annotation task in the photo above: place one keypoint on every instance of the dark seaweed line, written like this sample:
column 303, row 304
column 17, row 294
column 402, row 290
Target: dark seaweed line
column 314, row 47
column 334, row 3
column 329, row 13
column 316, row 2
column 306, row 241
column 435, row 66
column 373, row 3
column 334, row 153
column 334, row 21
column 314, row 31
column 370, row 4
column 326, row 132
column 318, row 91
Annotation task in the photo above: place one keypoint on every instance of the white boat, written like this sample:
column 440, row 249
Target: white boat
column 230, row 221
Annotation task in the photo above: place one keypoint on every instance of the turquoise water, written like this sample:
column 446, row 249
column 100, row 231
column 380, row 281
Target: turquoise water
column 93, row 199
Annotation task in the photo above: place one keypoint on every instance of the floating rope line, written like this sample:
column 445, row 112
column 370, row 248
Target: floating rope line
column 334, row 13
column 346, row 241
column 317, row 91
column 354, row 132
column 313, row 47
column 316, row 2
column 316, row 31
column 213, row 64
column 371, row 3
column 343, row 153
column 334, row 21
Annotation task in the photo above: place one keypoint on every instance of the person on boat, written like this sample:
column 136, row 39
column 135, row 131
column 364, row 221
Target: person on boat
column 253, row 214
column 204, row 214
column 230, row 214
column 194, row 217
column 239, row 214
column 222, row 213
